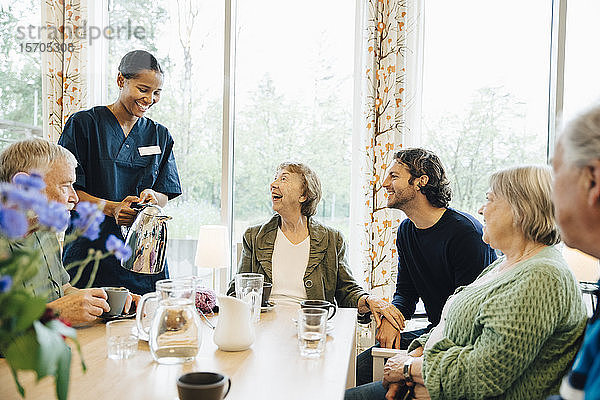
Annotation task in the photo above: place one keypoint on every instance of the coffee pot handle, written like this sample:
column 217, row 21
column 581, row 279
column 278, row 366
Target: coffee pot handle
column 136, row 207
column 143, row 332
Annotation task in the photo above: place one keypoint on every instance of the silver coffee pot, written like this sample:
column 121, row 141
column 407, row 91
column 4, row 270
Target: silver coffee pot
column 147, row 238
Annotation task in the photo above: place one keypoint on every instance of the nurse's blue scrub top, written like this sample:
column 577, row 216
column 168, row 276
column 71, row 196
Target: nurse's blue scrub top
column 110, row 167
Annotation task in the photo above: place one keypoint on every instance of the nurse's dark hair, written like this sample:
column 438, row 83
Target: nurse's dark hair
column 424, row 162
column 137, row 61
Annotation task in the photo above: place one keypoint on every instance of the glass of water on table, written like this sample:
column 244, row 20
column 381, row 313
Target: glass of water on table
column 311, row 331
column 248, row 287
column 121, row 339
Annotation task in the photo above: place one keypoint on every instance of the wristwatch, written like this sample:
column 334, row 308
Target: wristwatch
column 406, row 369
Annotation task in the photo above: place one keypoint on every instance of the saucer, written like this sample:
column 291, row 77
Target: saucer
column 268, row 307
column 107, row 318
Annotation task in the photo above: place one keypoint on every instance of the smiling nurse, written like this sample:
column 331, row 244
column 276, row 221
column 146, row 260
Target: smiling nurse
column 123, row 157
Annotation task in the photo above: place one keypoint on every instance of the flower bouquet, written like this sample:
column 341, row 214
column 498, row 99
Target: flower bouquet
column 32, row 336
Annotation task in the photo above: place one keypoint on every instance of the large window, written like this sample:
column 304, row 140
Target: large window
column 20, row 73
column 485, row 93
column 485, row 89
column 293, row 102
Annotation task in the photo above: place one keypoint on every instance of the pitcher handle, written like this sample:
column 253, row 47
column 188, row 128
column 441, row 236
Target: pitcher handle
column 143, row 333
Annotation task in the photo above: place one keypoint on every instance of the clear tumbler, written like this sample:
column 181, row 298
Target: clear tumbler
column 248, row 287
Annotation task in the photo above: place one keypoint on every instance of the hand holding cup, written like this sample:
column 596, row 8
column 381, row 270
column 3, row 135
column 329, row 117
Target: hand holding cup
column 117, row 297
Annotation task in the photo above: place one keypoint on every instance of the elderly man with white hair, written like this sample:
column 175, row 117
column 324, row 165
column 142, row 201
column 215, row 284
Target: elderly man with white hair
column 576, row 166
column 57, row 166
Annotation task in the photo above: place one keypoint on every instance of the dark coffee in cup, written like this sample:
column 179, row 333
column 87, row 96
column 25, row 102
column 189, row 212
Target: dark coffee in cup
column 324, row 304
column 266, row 293
column 117, row 296
column 203, row 385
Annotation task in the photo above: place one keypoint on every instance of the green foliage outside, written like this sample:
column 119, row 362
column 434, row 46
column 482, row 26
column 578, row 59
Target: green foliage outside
column 489, row 136
column 273, row 129
column 20, row 72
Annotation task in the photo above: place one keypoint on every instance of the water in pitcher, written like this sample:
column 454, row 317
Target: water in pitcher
column 175, row 334
column 176, row 354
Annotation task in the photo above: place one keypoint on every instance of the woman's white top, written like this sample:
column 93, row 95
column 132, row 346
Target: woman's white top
column 289, row 264
column 437, row 333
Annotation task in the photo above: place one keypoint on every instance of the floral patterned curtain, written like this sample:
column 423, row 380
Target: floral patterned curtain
column 391, row 86
column 63, row 68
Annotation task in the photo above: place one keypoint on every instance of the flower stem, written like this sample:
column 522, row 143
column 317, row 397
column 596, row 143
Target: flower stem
column 93, row 274
column 95, row 256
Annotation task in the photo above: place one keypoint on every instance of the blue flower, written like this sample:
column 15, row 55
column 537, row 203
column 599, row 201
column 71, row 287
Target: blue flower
column 88, row 220
column 53, row 215
column 116, row 246
column 33, row 181
column 13, row 223
column 5, row 283
column 24, row 199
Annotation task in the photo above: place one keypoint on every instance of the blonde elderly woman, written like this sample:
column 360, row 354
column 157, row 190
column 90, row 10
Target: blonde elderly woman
column 513, row 332
column 301, row 257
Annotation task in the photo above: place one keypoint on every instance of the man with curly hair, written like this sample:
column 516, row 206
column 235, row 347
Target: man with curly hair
column 439, row 248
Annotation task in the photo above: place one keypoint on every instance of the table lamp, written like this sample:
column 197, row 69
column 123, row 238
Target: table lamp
column 212, row 250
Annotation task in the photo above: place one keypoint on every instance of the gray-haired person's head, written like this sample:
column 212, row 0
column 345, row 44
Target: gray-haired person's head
column 311, row 185
column 32, row 155
column 581, row 138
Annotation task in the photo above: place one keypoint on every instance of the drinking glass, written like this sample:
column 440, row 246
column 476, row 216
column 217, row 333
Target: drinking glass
column 248, row 287
column 311, row 331
column 121, row 339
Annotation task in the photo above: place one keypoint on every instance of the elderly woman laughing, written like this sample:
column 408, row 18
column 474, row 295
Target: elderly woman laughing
column 301, row 257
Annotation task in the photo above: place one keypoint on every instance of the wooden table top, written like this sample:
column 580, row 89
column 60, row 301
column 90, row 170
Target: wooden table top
column 271, row 369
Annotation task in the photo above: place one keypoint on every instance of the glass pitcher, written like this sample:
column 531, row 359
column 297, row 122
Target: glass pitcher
column 175, row 334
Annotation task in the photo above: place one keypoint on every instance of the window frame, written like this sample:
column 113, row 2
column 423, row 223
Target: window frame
column 557, row 72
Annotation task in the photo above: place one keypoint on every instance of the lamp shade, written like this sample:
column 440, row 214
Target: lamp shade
column 212, row 250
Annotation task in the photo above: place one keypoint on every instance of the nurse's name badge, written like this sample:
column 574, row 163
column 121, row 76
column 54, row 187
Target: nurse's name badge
column 149, row 150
